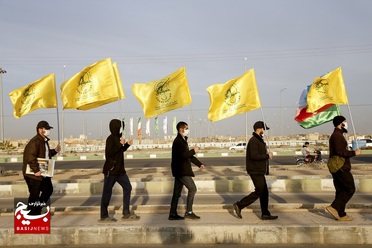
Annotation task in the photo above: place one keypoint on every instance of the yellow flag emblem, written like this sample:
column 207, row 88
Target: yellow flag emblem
column 236, row 96
column 160, row 96
column 94, row 86
column 327, row 89
column 39, row 94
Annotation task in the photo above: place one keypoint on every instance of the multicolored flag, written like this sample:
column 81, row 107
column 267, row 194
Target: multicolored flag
column 323, row 115
column 39, row 94
column 139, row 127
column 94, row 86
column 236, row 96
column 124, row 129
column 156, row 126
column 160, row 96
column 131, row 126
column 165, row 125
column 328, row 89
column 148, row 127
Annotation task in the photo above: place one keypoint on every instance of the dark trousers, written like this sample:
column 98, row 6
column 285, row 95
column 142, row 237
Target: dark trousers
column 179, row 182
column 345, row 189
column 40, row 192
column 108, row 184
column 261, row 191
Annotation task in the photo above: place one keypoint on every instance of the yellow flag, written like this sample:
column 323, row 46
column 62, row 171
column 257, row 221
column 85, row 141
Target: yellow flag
column 327, row 89
column 39, row 94
column 160, row 96
column 236, row 96
column 94, row 86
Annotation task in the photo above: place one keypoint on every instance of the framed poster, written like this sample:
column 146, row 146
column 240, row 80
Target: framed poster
column 46, row 167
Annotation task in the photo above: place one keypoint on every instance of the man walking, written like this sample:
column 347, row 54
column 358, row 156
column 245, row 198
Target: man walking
column 182, row 158
column 342, row 179
column 114, row 171
column 257, row 166
column 39, row 187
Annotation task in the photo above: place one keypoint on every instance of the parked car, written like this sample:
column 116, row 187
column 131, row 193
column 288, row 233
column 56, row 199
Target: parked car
column 239, row 146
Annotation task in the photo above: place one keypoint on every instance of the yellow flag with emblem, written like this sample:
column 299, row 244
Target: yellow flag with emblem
column 94, row 86
column 39, row 94
column 327, row 89
column 160, row 96
column 236, row 96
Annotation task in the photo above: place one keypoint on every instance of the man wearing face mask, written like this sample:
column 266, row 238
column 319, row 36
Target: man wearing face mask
column 342, row 179
column 40, row 188
column 182, row 158
column 257, row 165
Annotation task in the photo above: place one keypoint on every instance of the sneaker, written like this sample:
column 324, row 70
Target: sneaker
column 108, row 219
column 130, row 217
column 237, row 210
column 333, row 212
column 191, row 216
column 268, row 217
column 175, row 217
column 346, row 218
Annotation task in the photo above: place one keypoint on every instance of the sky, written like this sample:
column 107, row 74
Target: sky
column 288, row 43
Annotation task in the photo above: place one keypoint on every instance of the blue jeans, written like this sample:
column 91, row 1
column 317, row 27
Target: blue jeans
column 179, row 182
column 108, row 183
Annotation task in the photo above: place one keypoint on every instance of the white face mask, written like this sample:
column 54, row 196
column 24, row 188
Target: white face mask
column 344, row 125
column 46, row 132
column 186, row 132
column 121, row 130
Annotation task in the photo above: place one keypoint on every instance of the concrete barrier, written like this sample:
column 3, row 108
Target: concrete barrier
column 313, row 184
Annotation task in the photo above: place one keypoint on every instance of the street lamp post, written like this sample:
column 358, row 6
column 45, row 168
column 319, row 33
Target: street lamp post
column 63, row 118
column 246, row 113
column 2, row 71
column 281, row 112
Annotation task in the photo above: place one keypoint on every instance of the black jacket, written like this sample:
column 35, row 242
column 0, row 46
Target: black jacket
column 33, row 150
column 182, row 158
column 257, row 158
column 338, row 147
column 114, row 150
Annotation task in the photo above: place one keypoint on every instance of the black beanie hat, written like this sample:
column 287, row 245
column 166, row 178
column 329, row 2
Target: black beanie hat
column 338, row 120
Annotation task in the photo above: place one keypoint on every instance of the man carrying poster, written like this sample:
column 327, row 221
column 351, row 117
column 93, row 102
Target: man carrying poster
column 40, row 187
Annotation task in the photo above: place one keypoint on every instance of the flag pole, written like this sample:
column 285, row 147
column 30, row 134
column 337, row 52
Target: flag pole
column 59, row 139
column 352, row 124
column 263, row 119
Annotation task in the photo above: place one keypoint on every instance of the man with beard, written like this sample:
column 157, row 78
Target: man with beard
column 257, row 165
column 342, row 179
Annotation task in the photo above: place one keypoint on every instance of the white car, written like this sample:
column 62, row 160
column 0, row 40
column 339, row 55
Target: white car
column 239, row 146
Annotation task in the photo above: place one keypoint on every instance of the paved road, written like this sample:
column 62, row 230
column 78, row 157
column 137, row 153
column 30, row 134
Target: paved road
column 212, row 246
column 165, row 162
column 200, row 199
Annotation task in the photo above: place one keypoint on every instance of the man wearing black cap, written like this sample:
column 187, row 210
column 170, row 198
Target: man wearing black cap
column 39, row 187
column 342, row 179
column 257, row 165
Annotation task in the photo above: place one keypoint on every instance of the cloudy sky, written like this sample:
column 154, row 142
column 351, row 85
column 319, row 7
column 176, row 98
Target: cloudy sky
column 287, row 42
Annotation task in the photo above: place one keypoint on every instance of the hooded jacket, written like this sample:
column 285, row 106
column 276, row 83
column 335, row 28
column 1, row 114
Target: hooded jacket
column 257, row 157
column 338, row 147
column 114, row 150
column 33, row 150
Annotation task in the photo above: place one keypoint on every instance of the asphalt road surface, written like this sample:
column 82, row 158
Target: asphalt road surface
column 165, row 162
